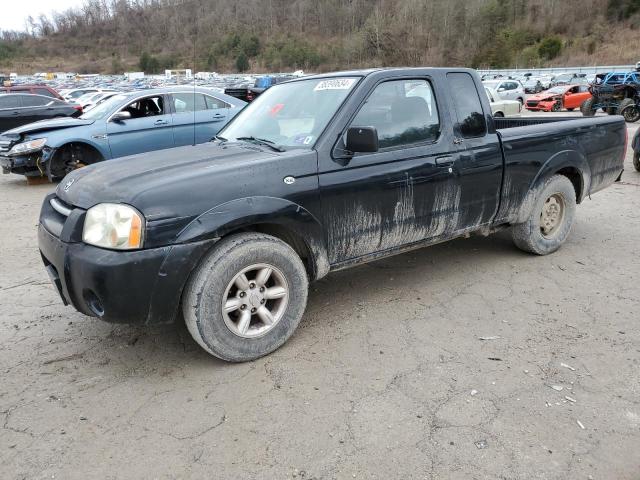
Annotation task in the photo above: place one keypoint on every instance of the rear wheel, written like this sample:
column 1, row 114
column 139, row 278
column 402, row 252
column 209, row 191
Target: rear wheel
column 587, row 108
column 246, row 298
column 636, row 161
column 551, row 218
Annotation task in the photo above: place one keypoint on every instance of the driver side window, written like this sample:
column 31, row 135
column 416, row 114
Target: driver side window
column 146, row 107
column 403, row 112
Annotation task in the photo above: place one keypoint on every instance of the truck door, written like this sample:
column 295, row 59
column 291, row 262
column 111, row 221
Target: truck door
column 405, row 192
column 479, row 166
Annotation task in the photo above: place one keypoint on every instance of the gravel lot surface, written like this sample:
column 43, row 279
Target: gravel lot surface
column 387, row 377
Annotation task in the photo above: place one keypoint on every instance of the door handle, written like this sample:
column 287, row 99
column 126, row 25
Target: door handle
column 218, row 116
column 444, row 161
column 161, row 122
column 16, row 113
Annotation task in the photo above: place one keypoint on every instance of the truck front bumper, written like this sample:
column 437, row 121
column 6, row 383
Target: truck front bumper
column 134, row 287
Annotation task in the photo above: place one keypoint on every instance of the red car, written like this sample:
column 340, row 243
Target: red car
column 557, row 98
column 32, row 89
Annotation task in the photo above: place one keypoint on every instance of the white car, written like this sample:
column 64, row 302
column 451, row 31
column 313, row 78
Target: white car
column 502, row 108
column 90, row 100
column 507, row 89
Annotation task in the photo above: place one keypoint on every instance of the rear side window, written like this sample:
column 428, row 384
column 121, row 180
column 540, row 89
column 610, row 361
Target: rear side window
column 35, row 101
column 402, row 111
column 214, row 103
column 471, row 120
column 10, row 101
column 43, row 91
column 188, row 102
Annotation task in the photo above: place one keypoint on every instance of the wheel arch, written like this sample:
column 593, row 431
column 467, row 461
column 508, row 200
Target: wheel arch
column 568, row 163
column 278, row 217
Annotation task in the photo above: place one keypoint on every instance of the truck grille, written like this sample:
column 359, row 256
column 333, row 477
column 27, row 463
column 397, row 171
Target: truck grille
column 60, row 207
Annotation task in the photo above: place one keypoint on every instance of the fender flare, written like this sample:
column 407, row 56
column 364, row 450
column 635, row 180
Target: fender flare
column 564, row 159
column 248, row 212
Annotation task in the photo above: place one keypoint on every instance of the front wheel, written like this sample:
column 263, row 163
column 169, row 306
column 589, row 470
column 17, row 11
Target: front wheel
column 246, row 298
column 550, row 220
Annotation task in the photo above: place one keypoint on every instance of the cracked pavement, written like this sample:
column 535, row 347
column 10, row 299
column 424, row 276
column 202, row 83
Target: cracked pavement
column 373, row 385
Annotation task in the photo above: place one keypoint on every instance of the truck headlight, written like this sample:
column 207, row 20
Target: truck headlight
column 28, row 147
column 114, row 226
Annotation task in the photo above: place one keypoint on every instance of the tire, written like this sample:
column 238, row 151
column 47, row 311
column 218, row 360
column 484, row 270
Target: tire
column 221, row 333
column 556, row 107
column 629, row 110
column 610, row 110
column 636, row 161
column 530, row 236
column 498, row 115
column 587, row 108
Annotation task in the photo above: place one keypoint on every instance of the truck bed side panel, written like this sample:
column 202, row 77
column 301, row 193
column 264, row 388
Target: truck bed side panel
column 589, row 150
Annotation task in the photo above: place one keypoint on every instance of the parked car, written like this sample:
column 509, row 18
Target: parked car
column 126, row 124
column 502, row 108
column 557, row 98
column 89, row 100
column 507, row 89
column 76, row 93
column 569, row 79
column 532, row 85
column 18, row 109
column 635, row 145
column 249, row 93
column 317, row 174
column 32, row 89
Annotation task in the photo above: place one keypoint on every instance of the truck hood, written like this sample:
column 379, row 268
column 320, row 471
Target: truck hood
column 170, row 183
column 43, row 125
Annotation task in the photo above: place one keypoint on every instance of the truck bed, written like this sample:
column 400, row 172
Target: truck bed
column 590, row 151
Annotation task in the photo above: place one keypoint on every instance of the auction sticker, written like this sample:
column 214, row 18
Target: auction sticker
column 335, row 84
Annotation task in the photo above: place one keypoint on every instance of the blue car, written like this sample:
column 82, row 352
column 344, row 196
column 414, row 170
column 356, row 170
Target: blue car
column 126, row 124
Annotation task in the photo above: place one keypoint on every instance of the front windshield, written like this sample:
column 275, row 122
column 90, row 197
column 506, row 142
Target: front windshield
column 103, row 109
column 556, row 90
column 291, row 114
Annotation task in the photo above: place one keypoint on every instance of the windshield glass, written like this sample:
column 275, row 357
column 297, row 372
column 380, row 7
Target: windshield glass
column 103, row 109
column 556, row 90
column 291, row 114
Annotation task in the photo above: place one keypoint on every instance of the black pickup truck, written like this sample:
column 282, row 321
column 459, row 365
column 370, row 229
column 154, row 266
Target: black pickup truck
column 316, row 175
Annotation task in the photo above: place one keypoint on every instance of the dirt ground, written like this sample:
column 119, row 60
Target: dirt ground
column 387, row 377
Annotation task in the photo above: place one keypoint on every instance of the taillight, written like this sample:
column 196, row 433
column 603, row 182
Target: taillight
column 78, row 107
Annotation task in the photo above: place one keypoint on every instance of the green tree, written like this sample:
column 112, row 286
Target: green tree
column 242, row 63
column 550, row 48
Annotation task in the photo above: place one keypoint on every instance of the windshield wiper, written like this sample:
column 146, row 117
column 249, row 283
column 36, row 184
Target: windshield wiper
column 219, row 138
column 263, row 141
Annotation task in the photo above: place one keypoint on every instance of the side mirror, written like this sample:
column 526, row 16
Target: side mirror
column 362, row 140
column 121, row 116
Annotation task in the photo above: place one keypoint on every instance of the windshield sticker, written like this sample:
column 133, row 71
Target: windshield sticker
column 276, row 109
column 335, row 84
